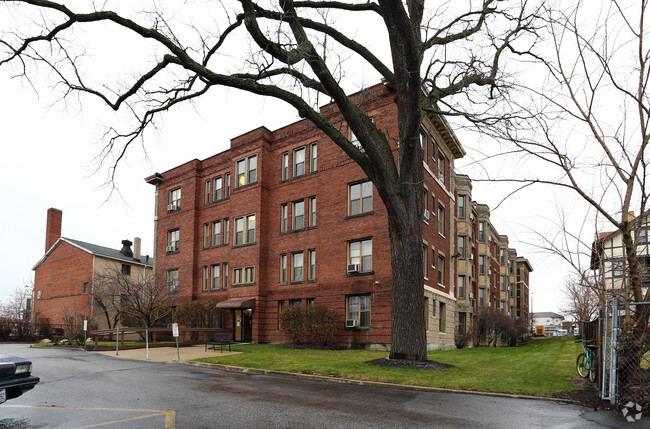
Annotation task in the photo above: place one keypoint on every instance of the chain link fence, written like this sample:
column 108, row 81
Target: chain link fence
column 625, row 352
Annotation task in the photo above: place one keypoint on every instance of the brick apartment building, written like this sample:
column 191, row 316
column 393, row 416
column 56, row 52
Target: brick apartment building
column 286, row 218
column 63, row 283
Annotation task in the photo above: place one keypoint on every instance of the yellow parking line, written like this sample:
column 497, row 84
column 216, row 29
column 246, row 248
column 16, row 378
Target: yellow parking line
column 170, row 415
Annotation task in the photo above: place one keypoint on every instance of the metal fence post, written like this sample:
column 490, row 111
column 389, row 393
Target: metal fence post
column 613, row 391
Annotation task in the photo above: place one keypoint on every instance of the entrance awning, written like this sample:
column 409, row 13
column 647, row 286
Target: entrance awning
column 248, row 302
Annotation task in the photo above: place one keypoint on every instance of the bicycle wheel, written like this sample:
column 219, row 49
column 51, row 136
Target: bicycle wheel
column 593, row 370
column 581, row 365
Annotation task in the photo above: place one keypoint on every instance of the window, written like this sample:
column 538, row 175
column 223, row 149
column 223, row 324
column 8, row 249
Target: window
column 353, row 139
column 126, row 269
column 285, row 166
column 441, row 269
column 283, row 268
column 441, row 220
column 298, row 215
column 461, row 246
column 216, row 277
column 643, row 237
column 284, row 214
column 461, row 206
column 360, row 198
column 173, row 238
column 313, row 153
column 226, row 230
column 299, row 162
column 423, row 142
column 216, row 233
column 245, row 230
column 312, row 264
column 360, row 253
column 172, row 280
column 426, row 202
column 247, row 170
column 481, row 231
column 461, row 322
column 206, row 278
column 424, row 257
column 481, row 264
column 86, row 287
column 208, row 191
column 358, row 308
column 481, row 297
column 502, row 256
column 312, row 211
column 503, row 306
column 224, row 270
column 249, row 273
column 503, row 282
column 297, row 267
column 441, row 167
column 618, row 268
column 206, row 235
column 174, row 200
column 218, row 188
column 512, row 291
column 461, row 286
column 441, row 318
column 295, row 301
column 237, row 276
column 226, row 179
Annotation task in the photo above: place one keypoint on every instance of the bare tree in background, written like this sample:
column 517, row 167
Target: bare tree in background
column 581, row 303
column 444, row 60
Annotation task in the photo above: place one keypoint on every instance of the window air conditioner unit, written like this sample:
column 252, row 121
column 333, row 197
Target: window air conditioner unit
column 171, row 207
column 471, row 256
column 489, row 272
column 427, row 214
column 351, row 323
column 353, row 268
column 471, row 295
column 170, row 248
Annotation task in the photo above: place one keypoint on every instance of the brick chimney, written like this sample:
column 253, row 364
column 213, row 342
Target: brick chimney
column 136, row 248
column 53, row 227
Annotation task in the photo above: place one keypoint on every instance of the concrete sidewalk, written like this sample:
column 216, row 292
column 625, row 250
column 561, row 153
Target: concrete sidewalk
column 167, row 354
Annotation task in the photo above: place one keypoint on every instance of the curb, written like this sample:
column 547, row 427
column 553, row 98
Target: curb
column 326, row 379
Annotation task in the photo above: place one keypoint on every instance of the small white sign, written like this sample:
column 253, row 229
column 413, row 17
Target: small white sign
column 85, row 325
column 175, row 329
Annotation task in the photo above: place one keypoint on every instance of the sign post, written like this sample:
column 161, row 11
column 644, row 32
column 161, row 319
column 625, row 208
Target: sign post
column 85, row 329
column 175, row 333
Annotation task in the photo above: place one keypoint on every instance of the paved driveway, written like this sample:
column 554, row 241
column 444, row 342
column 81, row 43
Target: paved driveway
column 87, row 390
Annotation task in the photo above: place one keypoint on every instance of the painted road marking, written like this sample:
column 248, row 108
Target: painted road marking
column 170, row 415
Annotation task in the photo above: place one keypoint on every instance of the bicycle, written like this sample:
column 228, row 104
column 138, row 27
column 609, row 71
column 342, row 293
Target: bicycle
column 587, row 362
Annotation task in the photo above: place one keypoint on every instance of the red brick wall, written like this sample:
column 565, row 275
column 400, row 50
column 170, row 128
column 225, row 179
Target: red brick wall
column 60, row 280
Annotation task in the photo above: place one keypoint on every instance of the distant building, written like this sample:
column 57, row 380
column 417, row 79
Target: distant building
column 63, row 284
column 552, row 322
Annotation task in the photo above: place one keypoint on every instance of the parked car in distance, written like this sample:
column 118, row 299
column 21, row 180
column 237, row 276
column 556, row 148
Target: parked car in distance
column 15, row 377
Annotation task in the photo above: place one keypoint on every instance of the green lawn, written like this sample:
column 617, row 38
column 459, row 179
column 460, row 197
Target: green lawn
column 543, row 367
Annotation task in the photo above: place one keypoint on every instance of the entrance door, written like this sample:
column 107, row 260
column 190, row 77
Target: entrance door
column 244, row 325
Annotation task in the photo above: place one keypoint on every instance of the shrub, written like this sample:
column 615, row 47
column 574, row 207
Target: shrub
column 462, row 339
column 293, row 323
column 322, row 321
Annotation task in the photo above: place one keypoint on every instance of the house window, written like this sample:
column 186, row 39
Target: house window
column 172, row 280
column 173, row 238
column 441, row 318
column 216, row 277
column 208, row 185
column 353, row 139
column 298, row 215
column 218, row 188
column 503, row 282
column 86, row 288
column 461, row 206
column 295, row 301
column 299, row 162
column 249, row 273
column 358, row 308
column 441, row 269
column 297, row 267
column 245, row 230
column 441, row 220
column 237, row 276
column 283, row 268
column 226, row 230
column 360, row 253
column 512, row 291
column 424, row 262
column 247, row 170
column 284, row 214
column 503, row 306
column 481, row 264
column 481, row 297
column 481, row 231
column 462, row 317
column 502, row 256
column 618, row 268
column 441, row 168
column 126, row 269
column 313, row 153
column 423, row 142
column 461, row 246
column 285, row 166
column 206, row 235
column 312, row 211
column 206, row 278
column 224, row 270
column 360, row 199
column 461, row 286
column 226, row 179
column 643, row 237
column 216, row 233
column 174, row 200
column 312, row 264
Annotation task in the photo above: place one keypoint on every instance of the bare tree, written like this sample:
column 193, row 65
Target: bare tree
column 580, row 301
column 446, row 60
column 122, row 298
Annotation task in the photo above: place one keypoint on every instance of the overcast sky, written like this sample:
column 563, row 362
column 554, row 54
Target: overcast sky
column 47, row 161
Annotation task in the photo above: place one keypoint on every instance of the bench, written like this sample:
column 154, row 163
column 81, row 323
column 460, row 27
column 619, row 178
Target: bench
column 219, row 339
